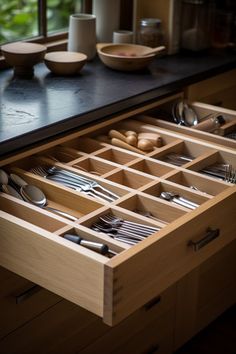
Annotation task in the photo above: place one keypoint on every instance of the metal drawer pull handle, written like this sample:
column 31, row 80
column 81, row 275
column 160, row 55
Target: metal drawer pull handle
column 152, row 303
column 210, row 236
column 27, row 294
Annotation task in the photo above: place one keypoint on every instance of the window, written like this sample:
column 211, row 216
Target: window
column 27, row 19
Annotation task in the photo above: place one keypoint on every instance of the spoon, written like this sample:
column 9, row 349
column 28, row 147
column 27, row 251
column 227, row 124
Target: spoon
column 11, row 191
column 183, row 114
column 189, row 116
column 3, row 177
column 35, row 196
column 167, row 196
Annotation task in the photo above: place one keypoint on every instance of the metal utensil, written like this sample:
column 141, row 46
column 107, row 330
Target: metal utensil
column 3, row 177
column 75, row 181
column 6, row 188
column 34, row 195
column 106, row 228
column 99, row 247
column 177, row 159
column 114, row 220
column 169, row 197
column 187, row 201
column 183, row 114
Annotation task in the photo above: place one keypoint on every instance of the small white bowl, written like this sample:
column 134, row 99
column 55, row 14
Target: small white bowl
column 65, row 63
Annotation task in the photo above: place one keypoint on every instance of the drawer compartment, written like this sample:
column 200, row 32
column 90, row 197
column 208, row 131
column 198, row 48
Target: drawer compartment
column 222, row 136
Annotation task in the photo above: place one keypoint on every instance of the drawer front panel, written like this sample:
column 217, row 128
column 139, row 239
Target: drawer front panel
column 151, row 269
column 49, row 261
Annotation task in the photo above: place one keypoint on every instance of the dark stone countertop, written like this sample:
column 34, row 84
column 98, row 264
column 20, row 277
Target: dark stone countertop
column 34, row 110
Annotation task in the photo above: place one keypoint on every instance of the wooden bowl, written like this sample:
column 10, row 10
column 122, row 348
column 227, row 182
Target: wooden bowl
column 124, row 57
column 65, row 63
column 23, row 56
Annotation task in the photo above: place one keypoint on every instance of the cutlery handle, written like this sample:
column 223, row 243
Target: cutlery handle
column 184, row 204
column 194, row 205
column 62, row 213
column 94, row 246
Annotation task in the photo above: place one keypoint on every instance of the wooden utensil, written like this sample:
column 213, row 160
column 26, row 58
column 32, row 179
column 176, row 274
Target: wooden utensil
column 145, row 145
column 154, row 50
column 155, row 139
column 131, row 139
column 124, row 145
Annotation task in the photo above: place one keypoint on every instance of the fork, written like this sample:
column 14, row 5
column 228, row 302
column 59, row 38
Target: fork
column 74, row 181
column 222, row 171
column 116, row 221
column 92, row 182
column 117, row 231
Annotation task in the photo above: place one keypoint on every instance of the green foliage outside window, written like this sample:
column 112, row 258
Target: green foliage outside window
column 19, row 18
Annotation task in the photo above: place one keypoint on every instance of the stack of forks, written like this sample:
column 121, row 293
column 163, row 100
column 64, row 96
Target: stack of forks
column 222, row 171
column 123, row 230
column 75, row 181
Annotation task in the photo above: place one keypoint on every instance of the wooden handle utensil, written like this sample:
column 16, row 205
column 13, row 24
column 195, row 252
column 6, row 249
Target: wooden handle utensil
column 154, row 138
column 145, row 145
column 124, row 145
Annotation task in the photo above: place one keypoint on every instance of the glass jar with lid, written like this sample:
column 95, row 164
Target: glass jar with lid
column 151, row 32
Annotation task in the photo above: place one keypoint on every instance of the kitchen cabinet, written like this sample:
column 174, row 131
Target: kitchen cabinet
column 207, row 291
column 65, row 327
column 218, row 90
column 116, row 289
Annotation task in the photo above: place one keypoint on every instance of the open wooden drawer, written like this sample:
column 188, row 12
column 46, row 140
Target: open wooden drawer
column 32, row 242
column 225, row 135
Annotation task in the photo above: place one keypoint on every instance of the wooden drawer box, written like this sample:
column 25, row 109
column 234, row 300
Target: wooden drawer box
column 32, row 243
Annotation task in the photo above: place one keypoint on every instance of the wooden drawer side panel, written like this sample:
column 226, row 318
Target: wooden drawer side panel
column 34, row 254
column 151, row 269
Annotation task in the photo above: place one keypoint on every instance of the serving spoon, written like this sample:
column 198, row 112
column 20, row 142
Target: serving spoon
column 34, row 195
column 30, row 193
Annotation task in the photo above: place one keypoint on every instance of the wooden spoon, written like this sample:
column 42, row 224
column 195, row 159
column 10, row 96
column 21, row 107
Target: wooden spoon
column 152, row 51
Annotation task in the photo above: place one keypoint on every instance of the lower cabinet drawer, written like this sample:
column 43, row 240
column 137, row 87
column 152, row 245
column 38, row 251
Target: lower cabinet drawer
column 205, row 293
column 175, row 239
column 21, row 301
column 67, row 328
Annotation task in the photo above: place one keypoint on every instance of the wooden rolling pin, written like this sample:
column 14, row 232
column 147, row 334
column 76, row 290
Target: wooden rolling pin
column 124, row 145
